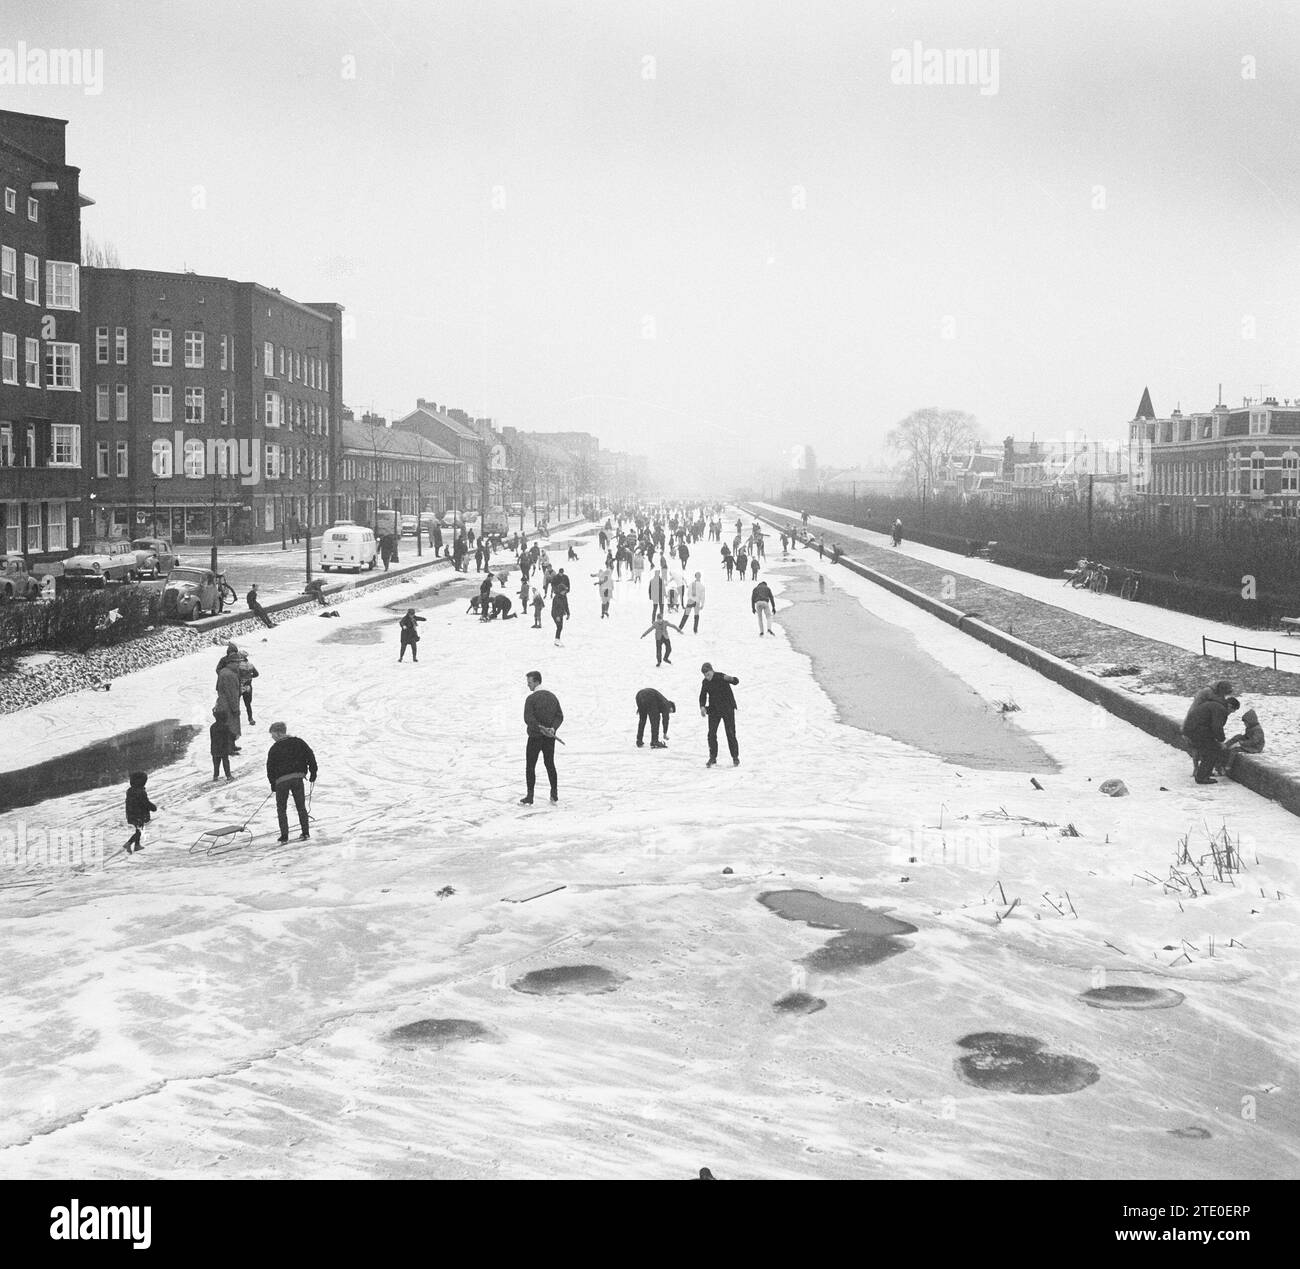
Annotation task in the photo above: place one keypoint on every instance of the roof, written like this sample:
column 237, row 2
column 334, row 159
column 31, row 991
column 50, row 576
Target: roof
column 1145, row 409
column 363, row 438
column 423, row 411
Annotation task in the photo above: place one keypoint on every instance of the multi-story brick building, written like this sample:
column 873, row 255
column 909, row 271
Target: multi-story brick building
column 1229, row 461
column 42, row 477
column 211, row 406
column 460, row 439
column 389, row 468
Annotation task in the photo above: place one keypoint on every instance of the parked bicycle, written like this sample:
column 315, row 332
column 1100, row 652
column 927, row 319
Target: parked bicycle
column 1131, row 584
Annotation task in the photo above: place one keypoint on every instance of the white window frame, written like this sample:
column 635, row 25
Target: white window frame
column 56, row 521
column 9, row 358
column 9, row 272
column 120, row 345
column 31, row 279
column 33, row 210
column 274, row 410
column 161, row 460
column 101, row 460
column 223, row 407
column 271, row 461
column 161, row 407
column 1258, row 423
column 32, row 359
column 193, row 457
column 195, row 406
column 225, row 355
column 66, row 436
column 11, row 200
column 281, row 361
column 101, row 403
column 62, row 354
column 1291, row 472
column 194, row 349
column 268, row 359
column 63, row 286
column 121, row 403
column 1257, row 472
column 160, row 345
column 123, row 456
column 101, row 345
column 7, row 448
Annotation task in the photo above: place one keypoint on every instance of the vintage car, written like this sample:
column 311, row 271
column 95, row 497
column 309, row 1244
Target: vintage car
column 106, row 561
column 15, row 581
column 154, row 557
column 409, row 526
column 194, row 592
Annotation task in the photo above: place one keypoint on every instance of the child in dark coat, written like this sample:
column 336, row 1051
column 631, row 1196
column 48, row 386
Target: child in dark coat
column 222, row 744
column 1250, row 741
column 138, row 807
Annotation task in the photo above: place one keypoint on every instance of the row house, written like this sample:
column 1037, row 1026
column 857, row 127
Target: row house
column 1229, row 461
column 42, row 480
column 389, row 468
column 211, row 406
column 454, row 433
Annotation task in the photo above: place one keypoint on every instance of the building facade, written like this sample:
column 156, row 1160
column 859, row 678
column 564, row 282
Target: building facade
column 43, row 487
column 389, row 468
column 461, row 441
column 211, row 407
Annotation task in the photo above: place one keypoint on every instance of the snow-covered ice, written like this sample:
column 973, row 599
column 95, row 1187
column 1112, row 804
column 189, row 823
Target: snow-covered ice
column 179, row 1015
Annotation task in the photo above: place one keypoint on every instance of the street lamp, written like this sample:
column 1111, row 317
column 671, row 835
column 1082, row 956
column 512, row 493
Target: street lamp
column 213, row 561
column 155, row 511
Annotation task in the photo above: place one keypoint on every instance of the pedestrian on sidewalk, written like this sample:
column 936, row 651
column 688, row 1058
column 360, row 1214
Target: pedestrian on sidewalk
column 288, row 762
column 655, row 706
column 138, row 808
column 542, row 718
column 762, row 602
column 663, row 645
column 410, row 636
column 897, row 532
column 694, row 604
column 255, row 607
column 718, row 705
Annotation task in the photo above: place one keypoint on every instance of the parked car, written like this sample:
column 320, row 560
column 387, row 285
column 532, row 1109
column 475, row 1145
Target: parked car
column 154, row 557
column 410, row 526
column 15, row 581
column 195, row 592
column 347, row 545
column 106, row 561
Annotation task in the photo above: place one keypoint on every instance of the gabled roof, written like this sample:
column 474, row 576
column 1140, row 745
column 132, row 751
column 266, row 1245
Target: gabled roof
column 1145, row 409
column 363, row 438
column 423, row 411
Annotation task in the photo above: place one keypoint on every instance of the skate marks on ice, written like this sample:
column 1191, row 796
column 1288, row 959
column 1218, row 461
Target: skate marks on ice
column 569, row 980
column 107, row 762
column 882, row 680
column 1003, row 1063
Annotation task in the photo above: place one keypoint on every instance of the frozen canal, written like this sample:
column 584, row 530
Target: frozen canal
column 851, row 956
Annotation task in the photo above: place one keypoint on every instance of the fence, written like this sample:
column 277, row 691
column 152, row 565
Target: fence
column 1245, row 647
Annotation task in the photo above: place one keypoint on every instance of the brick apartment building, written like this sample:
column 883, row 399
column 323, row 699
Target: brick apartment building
column 210, row 405
column 42, row 476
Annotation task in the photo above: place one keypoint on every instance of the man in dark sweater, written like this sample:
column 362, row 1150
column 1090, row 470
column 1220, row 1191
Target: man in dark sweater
column 1203, row 728
column 718, row 705
column 656, row 707
column 288, row 761
column 763, row 603
column 255, row 607
column 542, row 717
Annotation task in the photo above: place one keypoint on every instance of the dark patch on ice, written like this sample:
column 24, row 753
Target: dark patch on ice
column 1003, row 1063
column 1193, row 1132
column 798, row 1002
column 852, row 951
column 877, row 692
column 371, row 632
column 437, row 1033
column 870, row 935
column 1126, row 997
column 107, row 762
column 564, row 980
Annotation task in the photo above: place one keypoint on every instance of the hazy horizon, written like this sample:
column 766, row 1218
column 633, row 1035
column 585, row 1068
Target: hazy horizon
column 709, row 233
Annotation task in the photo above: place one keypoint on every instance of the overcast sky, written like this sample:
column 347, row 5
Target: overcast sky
column 693, row 225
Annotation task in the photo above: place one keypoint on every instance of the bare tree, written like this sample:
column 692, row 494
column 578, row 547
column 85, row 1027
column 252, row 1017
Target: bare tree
column 927, row 437
column 98, row 255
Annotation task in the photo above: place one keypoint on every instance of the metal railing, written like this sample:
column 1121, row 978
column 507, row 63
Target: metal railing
column 1245, row 647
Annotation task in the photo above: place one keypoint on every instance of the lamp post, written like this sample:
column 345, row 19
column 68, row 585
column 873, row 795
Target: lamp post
column 213, row 561
column 155, row 510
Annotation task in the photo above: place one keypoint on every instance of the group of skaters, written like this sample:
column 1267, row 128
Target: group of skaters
column 1205, row 728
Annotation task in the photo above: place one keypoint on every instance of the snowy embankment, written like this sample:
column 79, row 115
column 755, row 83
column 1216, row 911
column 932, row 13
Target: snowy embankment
column 180, row 1015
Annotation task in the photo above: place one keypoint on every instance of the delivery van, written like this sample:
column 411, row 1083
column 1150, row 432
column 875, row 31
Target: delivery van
column 347, row 545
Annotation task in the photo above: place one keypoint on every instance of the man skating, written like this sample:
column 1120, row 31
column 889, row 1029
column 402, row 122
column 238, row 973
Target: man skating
column 288, row 762
column 410, row 635
column 718, row 705
column 542, row 718
column 694, row 604
column 762, row 602
column 663, row 644
column 655, row 706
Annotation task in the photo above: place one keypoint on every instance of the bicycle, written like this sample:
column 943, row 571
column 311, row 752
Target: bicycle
column 1080, row 576
column 1100, row 580
column 226, row 590
column 1131, row 585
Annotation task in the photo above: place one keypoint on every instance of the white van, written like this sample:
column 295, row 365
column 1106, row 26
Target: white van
column 347, row 545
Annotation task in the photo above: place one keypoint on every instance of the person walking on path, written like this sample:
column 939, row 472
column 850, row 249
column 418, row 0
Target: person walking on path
column 255, row 607
column 694, row 604
column 559, row 603
column 410, row 636
column 897, row 532
column 542, row 718
column 663, row 644
column 288, row 762
column 1203, row 729
column 718, row 705
column 657, row 708
column 221, row 743
column 836, row 552
column 229, row 694
column 138, row 808
column 762, row 602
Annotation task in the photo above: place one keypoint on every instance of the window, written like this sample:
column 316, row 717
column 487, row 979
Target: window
column 58, row 527
column 31, row 279
column 101, row 403
column 224, row 407
column 101, row 458
column 32, row 347
column 33, row 209
column 1258, row 423
column 10, row 366
column 62, row 285
column 281, row 361
column 123, row 453
column 1257, row 472
column 193, row 460
column 272, row 461
column 8, row 273
column 121, row 345
column 11, row 200
column 268, row 359
column 194, row 405
column 162, row 346
column 1291, row 472
column 162, row 459
column 274, row 410
column 7, row 447
column 194, row 350
column 162, row 403
column 121, row 403
column 101, row 345
column 65, row 445
column 225, row 358
column 63, row 367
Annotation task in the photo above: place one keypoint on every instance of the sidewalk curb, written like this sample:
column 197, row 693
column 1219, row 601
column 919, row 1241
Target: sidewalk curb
column 1252, row 773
